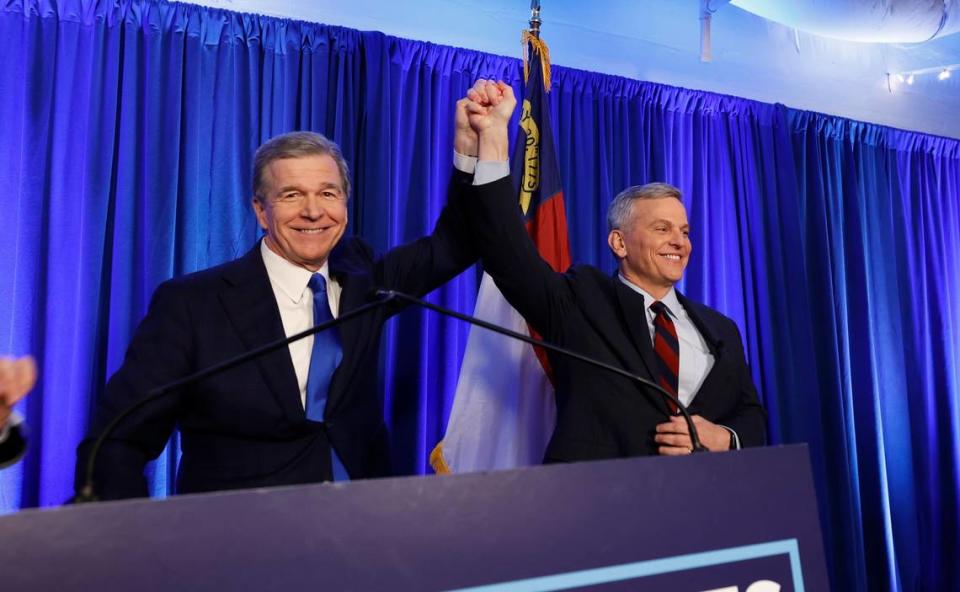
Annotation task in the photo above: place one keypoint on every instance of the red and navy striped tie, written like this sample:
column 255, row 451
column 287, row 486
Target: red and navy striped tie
column 667, row 347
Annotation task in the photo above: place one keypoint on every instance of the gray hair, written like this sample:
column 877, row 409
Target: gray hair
column 618, row 214
column 297, row 145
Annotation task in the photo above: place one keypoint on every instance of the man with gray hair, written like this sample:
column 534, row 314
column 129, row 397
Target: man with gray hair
column 635, row 319
column 306, row 413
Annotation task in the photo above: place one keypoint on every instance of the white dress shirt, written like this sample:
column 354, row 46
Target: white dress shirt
column 295, row 301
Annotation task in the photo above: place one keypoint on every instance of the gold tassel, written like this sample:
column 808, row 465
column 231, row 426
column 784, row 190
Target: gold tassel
column 528, row 39
column 437, row 462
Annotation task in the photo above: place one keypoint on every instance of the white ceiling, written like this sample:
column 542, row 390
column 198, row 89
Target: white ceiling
column 659, row 41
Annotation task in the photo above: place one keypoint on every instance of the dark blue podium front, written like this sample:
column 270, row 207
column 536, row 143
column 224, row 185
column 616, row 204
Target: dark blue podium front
column 733, row 521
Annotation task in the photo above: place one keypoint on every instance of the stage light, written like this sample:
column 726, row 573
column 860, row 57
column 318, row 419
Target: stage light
column 899, row 77
column 910, row 79
column 944, row 74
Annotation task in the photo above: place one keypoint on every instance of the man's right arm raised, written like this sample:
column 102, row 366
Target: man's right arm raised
column 505, row 247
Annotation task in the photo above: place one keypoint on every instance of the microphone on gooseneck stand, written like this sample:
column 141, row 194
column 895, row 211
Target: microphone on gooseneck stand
column 694, row 435
column 87, row 492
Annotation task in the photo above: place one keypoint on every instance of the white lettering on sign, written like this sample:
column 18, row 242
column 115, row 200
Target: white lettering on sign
column 764, row 586
column 758, row 586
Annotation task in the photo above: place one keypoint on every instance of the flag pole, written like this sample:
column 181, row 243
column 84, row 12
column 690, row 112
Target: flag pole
column 505, row 419
column 530, row 41
column 535, row 18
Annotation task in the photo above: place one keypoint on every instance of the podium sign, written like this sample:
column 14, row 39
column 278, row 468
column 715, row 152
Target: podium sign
column 727, row 522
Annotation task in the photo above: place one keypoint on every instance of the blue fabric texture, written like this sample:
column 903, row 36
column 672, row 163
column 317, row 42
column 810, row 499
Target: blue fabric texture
column 127, row 135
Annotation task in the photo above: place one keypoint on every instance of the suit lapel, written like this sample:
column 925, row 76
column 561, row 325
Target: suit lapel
column 634, row 313
column 353, row 294
column 714, row 344
column 707, row 330
column 251, row 306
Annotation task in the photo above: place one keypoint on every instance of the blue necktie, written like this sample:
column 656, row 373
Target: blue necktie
column 324, row 359
column 326, row 354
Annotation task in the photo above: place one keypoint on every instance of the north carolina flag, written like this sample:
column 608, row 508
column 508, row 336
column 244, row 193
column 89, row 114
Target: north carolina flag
column 504, row 419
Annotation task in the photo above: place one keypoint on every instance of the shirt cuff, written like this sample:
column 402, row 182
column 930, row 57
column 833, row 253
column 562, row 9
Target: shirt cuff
column 489, row 171
column 736, row 438
column 463, row 163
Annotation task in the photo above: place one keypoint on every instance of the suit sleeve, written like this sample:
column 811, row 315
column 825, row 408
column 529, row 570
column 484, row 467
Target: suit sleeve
column 424, row 264
column 159, row 352
column 12, row 446
column 748, row 418
column 508, row 254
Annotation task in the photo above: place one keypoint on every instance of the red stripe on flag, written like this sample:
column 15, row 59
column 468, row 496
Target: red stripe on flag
column 548, row 229
column 542, row 356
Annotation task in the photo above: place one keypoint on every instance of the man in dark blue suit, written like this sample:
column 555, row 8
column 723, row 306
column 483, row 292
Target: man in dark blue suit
column 303, row 414
column 634, row 319
column 17, row 377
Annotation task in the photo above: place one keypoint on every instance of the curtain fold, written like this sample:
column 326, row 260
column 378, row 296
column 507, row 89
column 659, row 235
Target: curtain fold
column 127, row 131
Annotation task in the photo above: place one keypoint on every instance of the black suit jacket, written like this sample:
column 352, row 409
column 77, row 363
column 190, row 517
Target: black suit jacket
column 246, row 427
column 600, row 414
column 13, row 447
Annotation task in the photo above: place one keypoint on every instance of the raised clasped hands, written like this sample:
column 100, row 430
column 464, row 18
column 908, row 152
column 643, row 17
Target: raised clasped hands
column 490, row 105
column 482, row 118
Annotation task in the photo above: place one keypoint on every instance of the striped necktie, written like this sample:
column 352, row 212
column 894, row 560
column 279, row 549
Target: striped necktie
column 667, row 347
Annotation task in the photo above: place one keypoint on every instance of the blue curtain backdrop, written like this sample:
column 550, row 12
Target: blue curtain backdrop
column 126, row 135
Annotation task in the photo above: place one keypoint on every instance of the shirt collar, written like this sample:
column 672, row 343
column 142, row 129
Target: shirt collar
column 291, row 279
column 670, row 299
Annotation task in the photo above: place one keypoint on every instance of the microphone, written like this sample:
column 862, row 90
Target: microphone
column 694, row 434
column 87, row 493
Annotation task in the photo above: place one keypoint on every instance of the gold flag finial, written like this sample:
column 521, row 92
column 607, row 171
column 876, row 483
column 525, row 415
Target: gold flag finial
column 531, row 40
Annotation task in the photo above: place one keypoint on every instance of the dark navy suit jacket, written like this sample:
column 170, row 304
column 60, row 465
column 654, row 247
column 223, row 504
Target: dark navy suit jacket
column 246, row 427
column 13, row 447
column 600, row 414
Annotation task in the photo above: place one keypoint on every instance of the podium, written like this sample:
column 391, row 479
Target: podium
column 742, row 521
